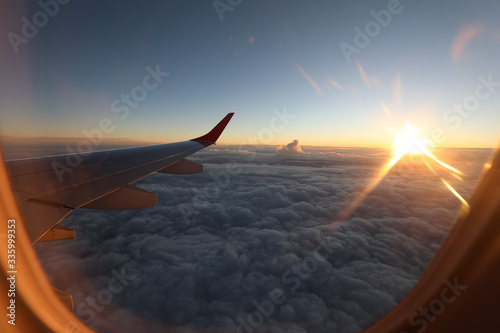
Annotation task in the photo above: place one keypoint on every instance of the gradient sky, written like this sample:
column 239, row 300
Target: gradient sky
column 264, row 56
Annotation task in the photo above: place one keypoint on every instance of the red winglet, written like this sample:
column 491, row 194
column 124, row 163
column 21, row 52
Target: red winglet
column 214, row 134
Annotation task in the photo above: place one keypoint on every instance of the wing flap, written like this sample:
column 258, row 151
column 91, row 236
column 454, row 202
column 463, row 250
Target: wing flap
column 58, row 232
column 128, row 197
column 42, row 217
column 65, row 298
column 183, row 167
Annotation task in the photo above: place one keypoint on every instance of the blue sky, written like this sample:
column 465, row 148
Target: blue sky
column 263, row 55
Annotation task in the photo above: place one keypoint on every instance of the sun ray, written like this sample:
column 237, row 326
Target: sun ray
column 344, row 214
column 406, row 142
column 429, row 154
column 466, row 206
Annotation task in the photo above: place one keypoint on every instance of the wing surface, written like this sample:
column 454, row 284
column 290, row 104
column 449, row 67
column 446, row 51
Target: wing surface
column 49, row 188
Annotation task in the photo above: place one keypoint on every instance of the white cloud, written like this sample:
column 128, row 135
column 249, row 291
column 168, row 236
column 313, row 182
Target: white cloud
column 291, row 148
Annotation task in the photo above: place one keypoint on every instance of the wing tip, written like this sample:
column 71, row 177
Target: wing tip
column 212, row 136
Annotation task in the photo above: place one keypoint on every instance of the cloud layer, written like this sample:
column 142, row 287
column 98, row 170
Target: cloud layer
column 252, row 244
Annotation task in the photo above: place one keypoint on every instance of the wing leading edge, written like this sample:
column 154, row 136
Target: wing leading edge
column 49, row 188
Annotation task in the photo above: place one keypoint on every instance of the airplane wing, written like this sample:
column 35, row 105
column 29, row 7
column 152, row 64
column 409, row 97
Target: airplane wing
column 49, row 188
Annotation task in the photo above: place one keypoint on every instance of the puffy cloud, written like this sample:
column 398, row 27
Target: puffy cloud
column 291, row 148
column 259, row 244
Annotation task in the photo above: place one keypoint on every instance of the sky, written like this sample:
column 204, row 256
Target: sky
column 347, row 79
column 219, row 246
column 297, row 75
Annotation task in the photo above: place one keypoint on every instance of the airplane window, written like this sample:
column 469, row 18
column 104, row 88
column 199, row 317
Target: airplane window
column 359, row 134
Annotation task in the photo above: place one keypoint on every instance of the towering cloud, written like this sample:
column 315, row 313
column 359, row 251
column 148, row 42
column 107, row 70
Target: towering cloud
column 291, row 148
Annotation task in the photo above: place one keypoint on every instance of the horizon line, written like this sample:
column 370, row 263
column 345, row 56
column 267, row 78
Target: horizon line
column 42, row 140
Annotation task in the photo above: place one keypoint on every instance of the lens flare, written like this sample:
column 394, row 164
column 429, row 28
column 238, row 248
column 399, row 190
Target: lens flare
column 465, row 204
column 406, row 142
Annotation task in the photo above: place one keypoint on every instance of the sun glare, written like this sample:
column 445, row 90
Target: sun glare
column 406, row 142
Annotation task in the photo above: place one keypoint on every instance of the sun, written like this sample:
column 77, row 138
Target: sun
column 406, row 142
